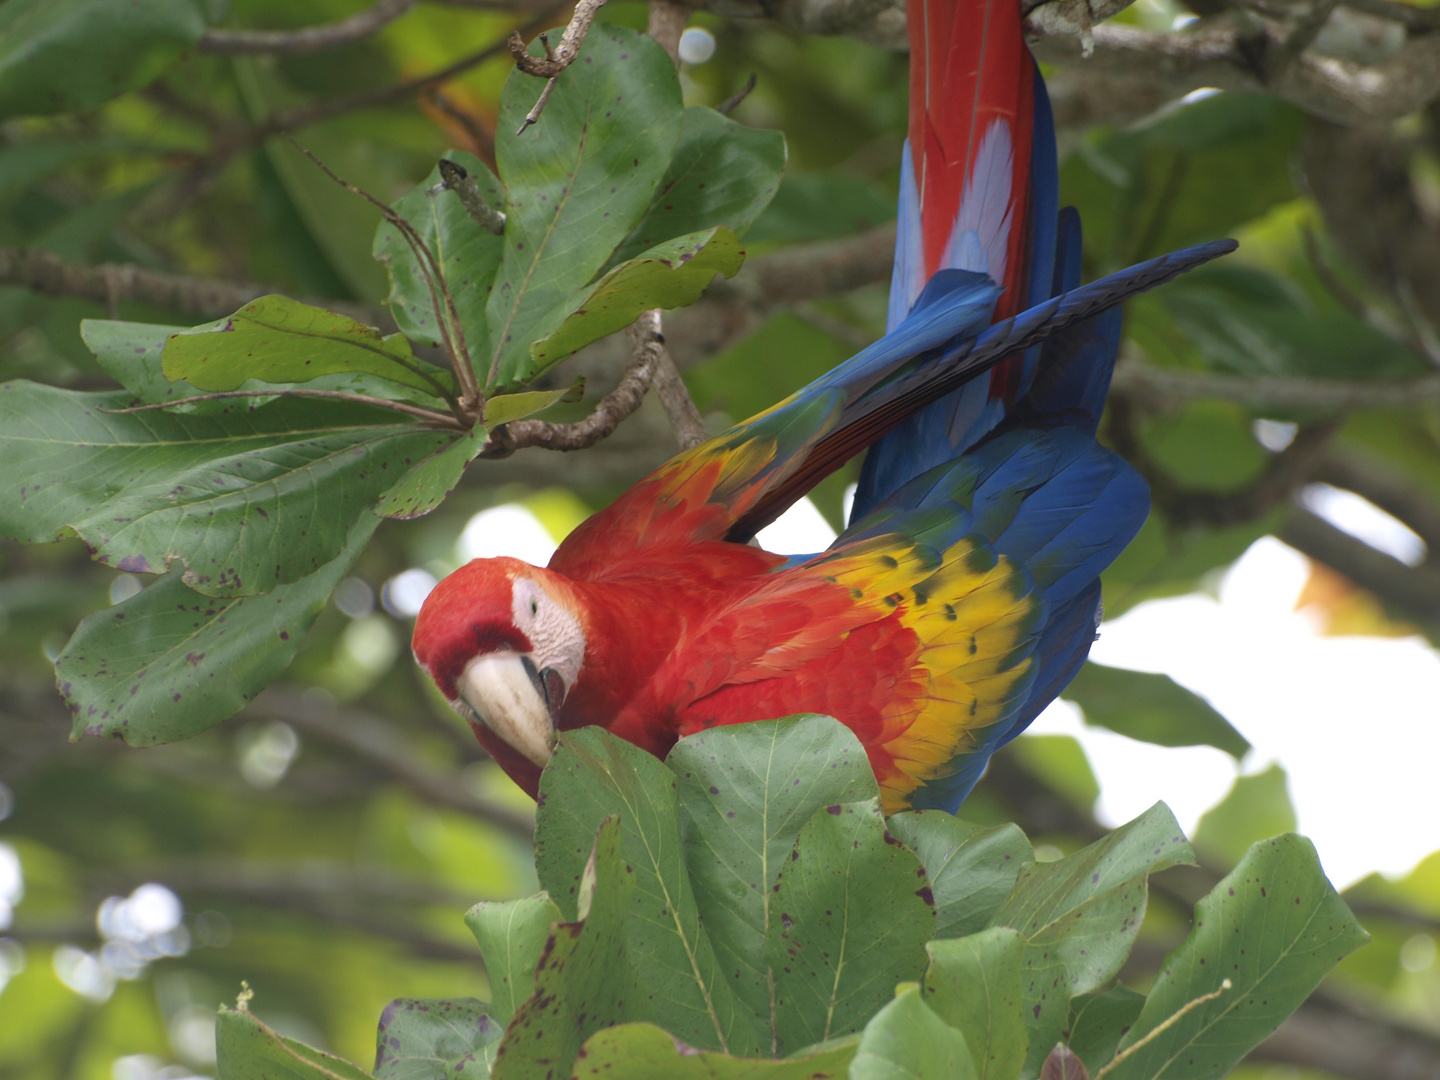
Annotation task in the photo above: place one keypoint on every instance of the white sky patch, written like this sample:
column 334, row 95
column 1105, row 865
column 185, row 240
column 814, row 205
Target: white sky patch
column 506, row 530
column 801, row 530
column 1365, row 521
column 1353, row 720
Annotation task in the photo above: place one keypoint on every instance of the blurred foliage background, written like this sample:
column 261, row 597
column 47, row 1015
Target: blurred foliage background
column 323, row 844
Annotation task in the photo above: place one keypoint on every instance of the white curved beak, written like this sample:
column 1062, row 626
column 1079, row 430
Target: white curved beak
column 509, row 696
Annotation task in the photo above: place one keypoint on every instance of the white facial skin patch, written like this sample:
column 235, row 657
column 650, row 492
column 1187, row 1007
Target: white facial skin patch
column 557, row 641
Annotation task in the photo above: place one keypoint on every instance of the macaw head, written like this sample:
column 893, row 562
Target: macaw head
column 504, row 642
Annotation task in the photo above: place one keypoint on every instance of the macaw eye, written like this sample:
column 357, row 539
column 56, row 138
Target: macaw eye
column 534, row 607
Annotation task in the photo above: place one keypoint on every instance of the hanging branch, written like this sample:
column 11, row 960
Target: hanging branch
column 555, row 60
column 308, row 40
column 613, row 407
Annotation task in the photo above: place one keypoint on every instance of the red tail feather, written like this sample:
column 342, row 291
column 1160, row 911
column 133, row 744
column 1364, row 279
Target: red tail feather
column 970, row 67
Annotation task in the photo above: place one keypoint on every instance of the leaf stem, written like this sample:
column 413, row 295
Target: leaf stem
column 1162, row 1026
column 430, row 416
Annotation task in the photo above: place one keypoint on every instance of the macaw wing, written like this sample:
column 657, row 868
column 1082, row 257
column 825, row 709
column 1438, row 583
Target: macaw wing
column 916, row 649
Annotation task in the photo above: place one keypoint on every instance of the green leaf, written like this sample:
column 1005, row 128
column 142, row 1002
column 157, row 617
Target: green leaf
column 1080, row 915
column 822, row 206
column 279, row 340
column 246, row 501
column 1206, row 445
column 509, row 407
column 647, row 1052
column 1273, row 927
column 1256, row 807
column 247, row 1049
column 132, row 355
column 723, row 173
column 1151, row 708
column 435, row 1040
column 746, row 791
column 595, row 774
column 671, row 275
column 973, row 984
column 468, row 256
column 429, row 481
column 511, row 934
column 1099, row 1021
column 169, row 662
column 907, row 1041
column 1250, row 321
column 584, row 982
column 70, row 55
column 576, row 185
column 849, row 919
column 971, row 868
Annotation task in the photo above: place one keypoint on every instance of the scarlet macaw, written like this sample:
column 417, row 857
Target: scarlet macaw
column 963, row 596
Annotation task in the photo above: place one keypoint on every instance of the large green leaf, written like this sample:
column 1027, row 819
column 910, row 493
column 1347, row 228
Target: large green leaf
column 279, row 340
column 1273, row 927
column 1250, row 321
column 425, row 484
column 245, row 501
column 436, row 1040
column 1099, row 1021
column 1080, row 915
column 723, row 173
column 133, row 355
column 576, row 184
column 672, row 274
column 821, row 206
column 907, row 1041
column 247, row 1049
column 584, row 982
column 746, row 790
column 849, row 919
column 1255, row 807
column 973, row 984
column 71, row 55
column 647, row 1052
column 468, row 256
column 169, row 662
column 511, row 935
column 971, row 868
column 1151, row 708
column 595, row 774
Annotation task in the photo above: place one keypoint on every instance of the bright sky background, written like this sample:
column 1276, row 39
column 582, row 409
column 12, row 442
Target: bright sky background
column 1355, row 721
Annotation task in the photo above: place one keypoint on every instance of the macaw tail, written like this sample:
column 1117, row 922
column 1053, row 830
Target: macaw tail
column 979, row 192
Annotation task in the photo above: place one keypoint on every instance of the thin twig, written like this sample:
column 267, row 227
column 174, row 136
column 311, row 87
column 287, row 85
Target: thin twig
column 613, row 407
column 303, row 115
column 1168, row 1022
column 308, row 40
column 455, row 178
column 1167, row 388
column 555, row 60
column 430, row 416
column 563, row 55
column 726, row 107
column 535, row 110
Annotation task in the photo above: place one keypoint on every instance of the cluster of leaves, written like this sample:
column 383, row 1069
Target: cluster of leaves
column 745, row 910
column 250, row 460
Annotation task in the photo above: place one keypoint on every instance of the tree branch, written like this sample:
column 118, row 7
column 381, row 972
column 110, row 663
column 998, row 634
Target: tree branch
column 45, row 272
column 311, row 39
column 1165, row 389
column 1412, row 590
column 1215, row 53
column 555, row 60
column 613, row 407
